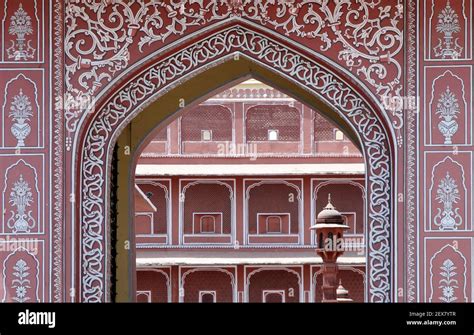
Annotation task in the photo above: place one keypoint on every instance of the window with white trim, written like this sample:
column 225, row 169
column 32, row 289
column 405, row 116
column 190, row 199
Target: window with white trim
column 274, row 224
column 272, row 135
column 273, row 296
column 208, row 224
column 144, row 296
column 207, row 296
column 206, row 135
column 338, row 135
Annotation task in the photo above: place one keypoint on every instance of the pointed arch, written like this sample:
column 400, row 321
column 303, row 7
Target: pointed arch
column 216, row 60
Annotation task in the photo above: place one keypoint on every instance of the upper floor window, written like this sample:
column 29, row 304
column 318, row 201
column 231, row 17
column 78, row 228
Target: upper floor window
column 208, row 224
column 274, row 225
column 206, row 135
column 272, row 135
column 143, row 296
column 273, row 296
column 207, row 296
column 339, row 135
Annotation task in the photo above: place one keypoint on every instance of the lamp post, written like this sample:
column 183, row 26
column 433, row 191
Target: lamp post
column 329, row 229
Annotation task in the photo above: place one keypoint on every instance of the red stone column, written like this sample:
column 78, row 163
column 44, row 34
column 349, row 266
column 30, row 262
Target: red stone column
column 329, row 232
column 329, row 281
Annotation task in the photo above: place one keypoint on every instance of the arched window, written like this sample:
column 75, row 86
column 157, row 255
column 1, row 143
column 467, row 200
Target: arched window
column 338, row 135
column 274, row 224
column 143, row 296
column 273, row 135
column 208, row 224
column 273, row 296
column 207, row 296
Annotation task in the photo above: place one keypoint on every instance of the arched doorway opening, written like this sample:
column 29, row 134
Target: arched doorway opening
column 189, row 75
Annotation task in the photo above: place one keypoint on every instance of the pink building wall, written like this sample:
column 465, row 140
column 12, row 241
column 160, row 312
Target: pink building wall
column 295, row 284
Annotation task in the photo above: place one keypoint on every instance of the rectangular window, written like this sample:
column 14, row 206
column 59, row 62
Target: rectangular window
column 339, row 135
column 274, row 225
column 206, row 135
column 273, row 135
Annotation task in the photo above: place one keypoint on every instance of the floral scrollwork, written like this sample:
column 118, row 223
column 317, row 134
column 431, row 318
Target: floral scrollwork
column 365, row 35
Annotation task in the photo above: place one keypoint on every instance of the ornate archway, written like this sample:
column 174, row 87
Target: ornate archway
column 249, row 51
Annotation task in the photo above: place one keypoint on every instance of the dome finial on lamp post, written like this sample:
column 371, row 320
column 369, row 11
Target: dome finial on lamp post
column 329, row 205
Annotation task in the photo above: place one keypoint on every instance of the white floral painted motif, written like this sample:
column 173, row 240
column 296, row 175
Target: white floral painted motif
column 448, row 284
column 21, row 197
column 20, row 26
column 448, row 218
column 369, row 42
column 20, row 112
column 448, row 24
column 21, row 284
column 447, row 109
